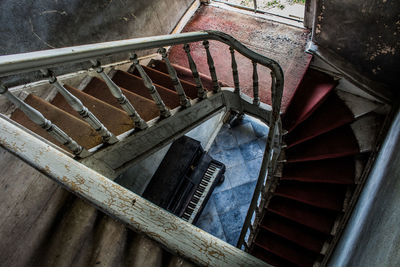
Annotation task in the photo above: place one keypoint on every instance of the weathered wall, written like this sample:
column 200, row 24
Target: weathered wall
column 372, row 236
column 30, row 25
column 365, row 33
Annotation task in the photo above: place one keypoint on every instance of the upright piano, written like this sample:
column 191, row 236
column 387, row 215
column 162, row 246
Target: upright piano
column 185, row 179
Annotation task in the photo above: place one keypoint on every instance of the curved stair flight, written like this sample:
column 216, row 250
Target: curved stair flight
column 330, row 134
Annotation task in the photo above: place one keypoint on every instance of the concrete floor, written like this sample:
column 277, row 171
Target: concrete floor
column 285, row 44
column 240, row 148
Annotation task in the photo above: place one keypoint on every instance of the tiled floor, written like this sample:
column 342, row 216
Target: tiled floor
column 240, row 148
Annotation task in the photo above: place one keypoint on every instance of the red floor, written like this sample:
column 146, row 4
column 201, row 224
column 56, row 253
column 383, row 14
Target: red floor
column 283, row 43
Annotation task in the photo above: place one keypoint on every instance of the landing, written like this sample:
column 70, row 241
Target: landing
column 283, row 43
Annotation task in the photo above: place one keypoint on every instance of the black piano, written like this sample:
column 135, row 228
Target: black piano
column 185, row 179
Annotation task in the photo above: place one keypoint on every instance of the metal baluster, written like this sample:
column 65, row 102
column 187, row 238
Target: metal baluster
column 255, row 5
column 83, row 111
column 185, row 102
column 210, row 61
column 38, row 118
column 122, row 100
column 256, row 100
column 164, row 111
column 201, row 93
column 235, row 72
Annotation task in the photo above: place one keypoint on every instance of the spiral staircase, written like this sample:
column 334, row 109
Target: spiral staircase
column 329, row 136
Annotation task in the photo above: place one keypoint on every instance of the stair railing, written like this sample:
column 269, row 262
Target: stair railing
column 267, row 170
column 93, row 191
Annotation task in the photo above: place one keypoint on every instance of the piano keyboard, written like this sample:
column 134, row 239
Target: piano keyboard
column 201, row 192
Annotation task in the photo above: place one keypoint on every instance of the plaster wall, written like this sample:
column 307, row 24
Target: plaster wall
column 372, row 236
column 31, row 25
column 364, row 33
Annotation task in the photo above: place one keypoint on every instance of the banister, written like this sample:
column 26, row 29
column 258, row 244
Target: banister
column 27, row 62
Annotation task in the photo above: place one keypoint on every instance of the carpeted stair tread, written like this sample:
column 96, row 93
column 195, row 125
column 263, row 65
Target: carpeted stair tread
column 102, row 110
column 316, row 218
column 77, row 129
column 330, row 115
column 290, row 230
column 312, row 91
column 164, row 80
column 336, row 143
column 146, row 108
column 285, row 249
column 326, row 196
column 270, row 258
column 135, row 84
column 336, row 171
column 186, row 74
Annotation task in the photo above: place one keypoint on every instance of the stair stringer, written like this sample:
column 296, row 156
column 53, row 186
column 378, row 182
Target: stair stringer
column 135, row 146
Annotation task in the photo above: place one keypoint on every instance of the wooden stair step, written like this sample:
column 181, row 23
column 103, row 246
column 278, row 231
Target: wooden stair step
column 77, row 129
column 285, row 249
column 164, row 80
column 336, row 143
column 146, row 108
column 316, row 218
column 270, row 258
column 337, row 171
column 312, row 91
column 297, row 233
column 330, row 115
column 326, row 196
column 185, row 74
column 135, row 84
column 106, row 113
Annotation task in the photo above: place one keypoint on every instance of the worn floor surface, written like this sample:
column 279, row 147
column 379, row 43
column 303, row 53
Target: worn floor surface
column 280, row 42
column 240, row 148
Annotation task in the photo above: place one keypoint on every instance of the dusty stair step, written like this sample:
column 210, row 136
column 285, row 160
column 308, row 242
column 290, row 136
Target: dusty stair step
column 312, row 91
column 77, row 129
column 325, row 196
column 330, row 115
column 185, row 74
column 105, row 245
column 358, row 105
column 366, row 130
column 336, row 171
column 115, row 120
column 135, row 84
column 296, row 233
column 285, row 249
column 316, row 218
column 146, row 108
column 336, row 143
column 164, row 80
column 270, row 258
column 67, row 237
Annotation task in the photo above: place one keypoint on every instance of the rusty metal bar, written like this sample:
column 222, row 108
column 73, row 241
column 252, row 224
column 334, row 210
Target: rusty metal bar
column 136, row 212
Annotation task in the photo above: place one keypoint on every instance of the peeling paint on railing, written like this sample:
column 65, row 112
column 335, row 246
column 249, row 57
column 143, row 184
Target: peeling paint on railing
column 139, row 214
